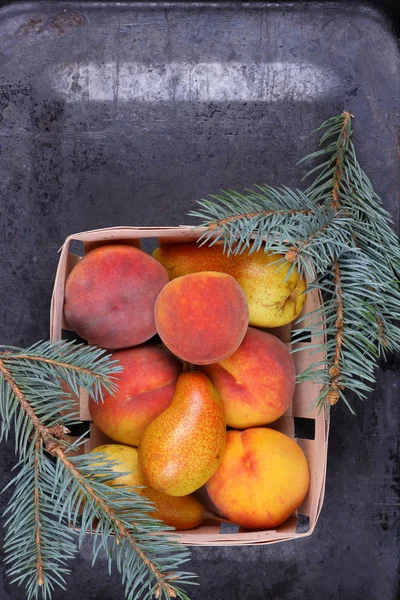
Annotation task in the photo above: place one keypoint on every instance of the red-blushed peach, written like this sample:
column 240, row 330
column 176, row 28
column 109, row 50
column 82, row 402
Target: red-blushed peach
column 203, row 317
column 145, row 389
column 184, row 512
column 110, row 296
column 263, row 477
column 275, row 297
column 256, row 383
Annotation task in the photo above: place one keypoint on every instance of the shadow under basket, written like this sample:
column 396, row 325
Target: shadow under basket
column 309, row 427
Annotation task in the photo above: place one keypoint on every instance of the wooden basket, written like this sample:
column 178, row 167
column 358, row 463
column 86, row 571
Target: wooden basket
column 309, row 427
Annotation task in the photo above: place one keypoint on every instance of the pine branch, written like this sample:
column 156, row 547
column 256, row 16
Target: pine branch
column 238, row 219
column 329, row 181
column 258, row 214
column 336, row 231
column 328, row 236
column 348, row 189
column 37, row 546
column 76, row 364
column 334, row 369
column 286, row 222
column 38, row 521
column 39, row 371
column 350, row 346
column 142, row 558
column 76, row 484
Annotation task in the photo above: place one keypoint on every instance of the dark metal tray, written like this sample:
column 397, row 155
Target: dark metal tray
column 126, row 113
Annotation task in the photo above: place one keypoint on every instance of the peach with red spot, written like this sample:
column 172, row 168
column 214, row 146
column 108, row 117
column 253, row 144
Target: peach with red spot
column 145, row 389
column 256, row 383
column 110, row 296
column 275, row 292
column 262, row 479
column 202, row 317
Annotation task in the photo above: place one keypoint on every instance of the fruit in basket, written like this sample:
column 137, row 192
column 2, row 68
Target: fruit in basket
column 182, row 513
column 262, row 479
column 273, row 300
column 110, row 296
column 256, row 383
column 183, row 447
column 203, row 317
column 145, row 389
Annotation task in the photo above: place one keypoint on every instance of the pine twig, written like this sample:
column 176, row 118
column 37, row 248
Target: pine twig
column 221, row 223
column 334, row 370
column 122, row 532
column 41, row 429
column 38, row 534
column 345, row 240
column 338, row 172
column 58, row 364
column 109, row 506
column 295, row 252
column 348, row 189
column 37, row 545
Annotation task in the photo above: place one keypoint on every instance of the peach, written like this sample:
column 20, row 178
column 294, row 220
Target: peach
column 202, row 317
column 256, row 383
column 145, row 389
column 262, row 479
column 275, row 297
column 110, row 296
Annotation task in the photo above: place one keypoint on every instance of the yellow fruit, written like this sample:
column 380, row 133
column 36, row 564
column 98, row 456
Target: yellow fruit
column 183, row 447
column 257, row 382
column 262, row 479
column 272, row 300
column 182, row 513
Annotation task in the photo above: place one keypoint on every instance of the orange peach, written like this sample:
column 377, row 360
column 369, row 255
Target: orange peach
column 262, row 479
column 256, row 383
column 202, row 317
column 275, row 296
column 110, row 296
column 145, row 389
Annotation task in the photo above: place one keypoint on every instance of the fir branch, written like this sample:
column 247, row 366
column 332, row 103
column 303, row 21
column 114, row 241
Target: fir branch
column 76, row 364
column 287, row 223
column 334, row 369
column 142, row 559
column 349, row 189
column 32, row 420
column 78, row 484
column 39, row 371
column 245, row 221
column 339, row 232
column 329, row 181
column 327, row 236
column 37, row 546
column 37, row 518
column 258, row 214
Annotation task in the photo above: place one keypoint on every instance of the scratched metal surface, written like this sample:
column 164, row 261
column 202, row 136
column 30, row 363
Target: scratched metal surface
column 126, row 113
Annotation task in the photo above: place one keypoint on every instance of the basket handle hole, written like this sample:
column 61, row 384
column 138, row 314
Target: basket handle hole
column 304, row 428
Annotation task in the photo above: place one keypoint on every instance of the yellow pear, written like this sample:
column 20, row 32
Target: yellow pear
column 273, row 300
column 183, row 446
column 182, row 513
